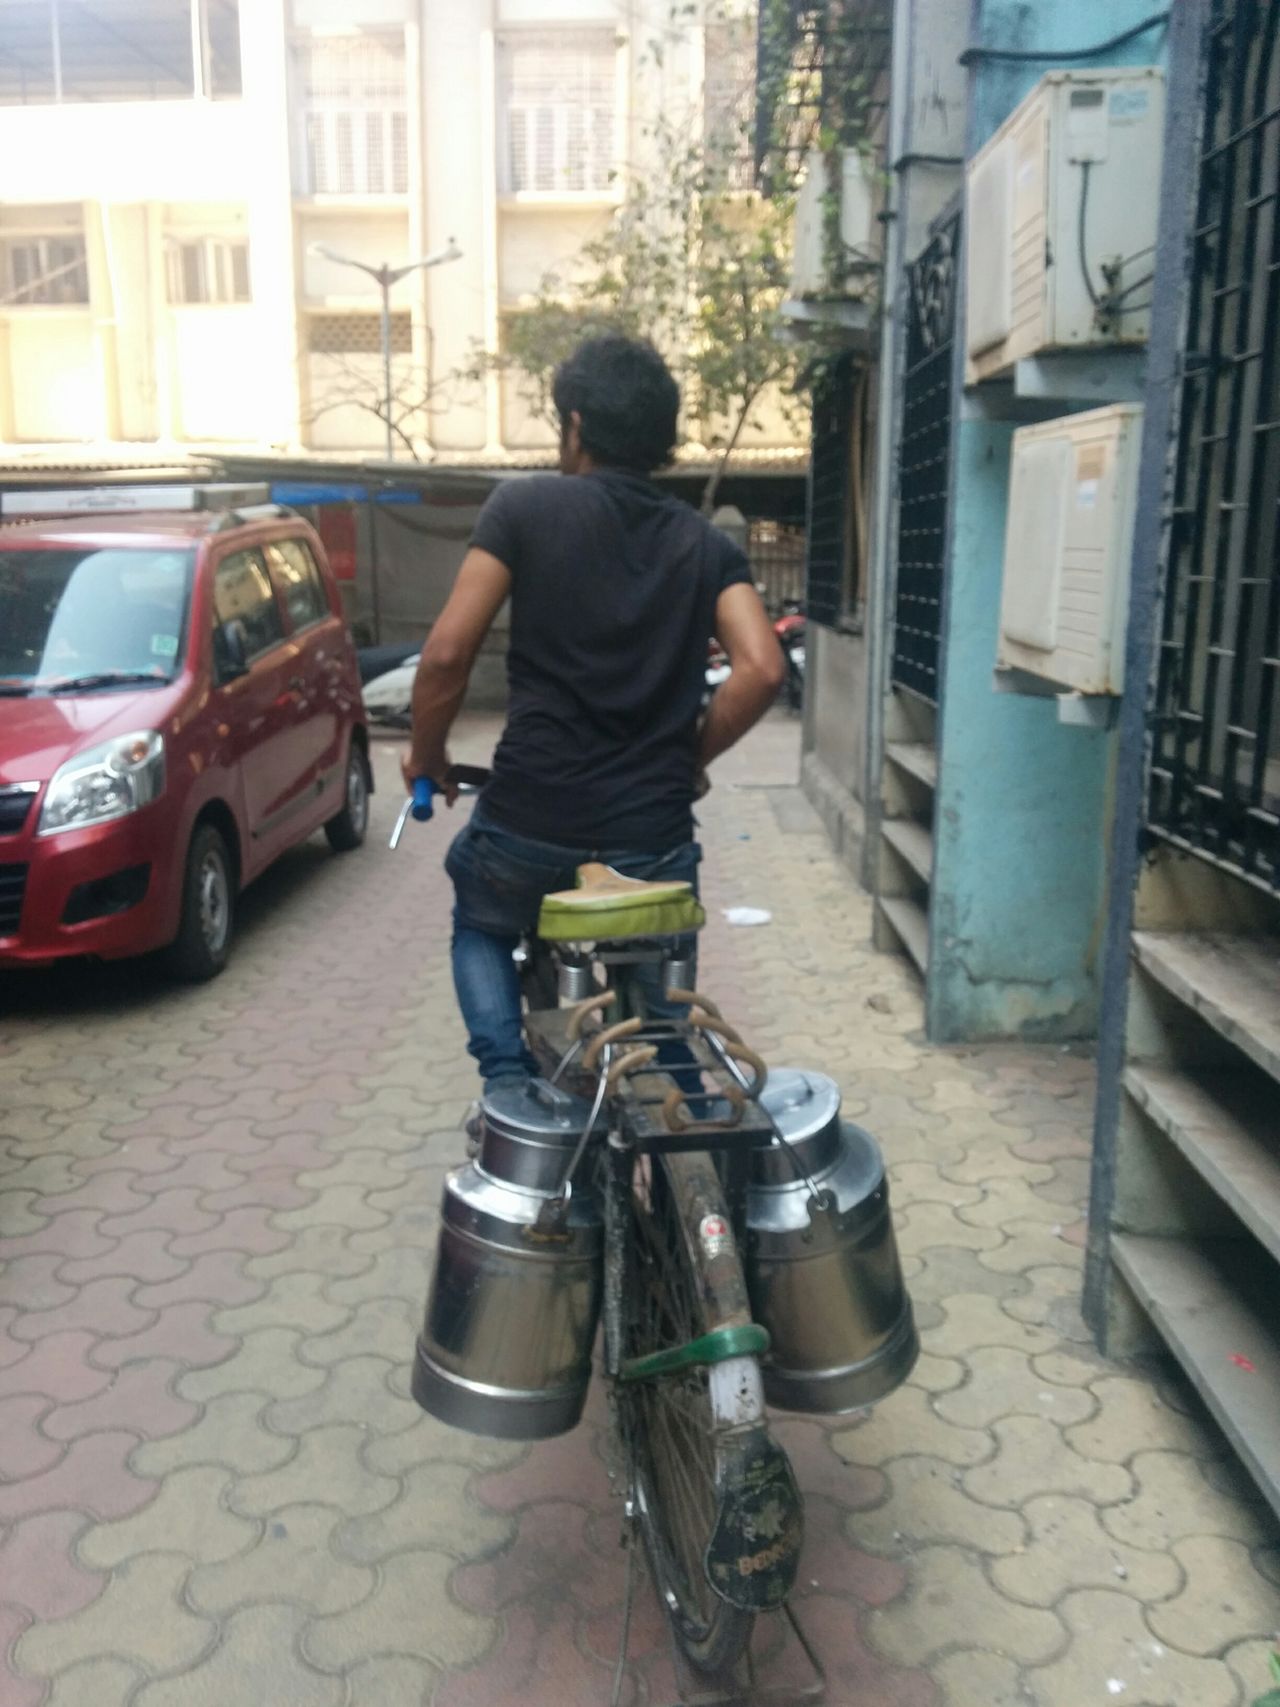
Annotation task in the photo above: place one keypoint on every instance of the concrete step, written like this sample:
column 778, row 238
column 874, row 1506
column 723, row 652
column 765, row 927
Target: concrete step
column 912, row 842
column 1213, row 1303
column 916, row 758
column 1232, row 982
column 910, row 924
column 1225, row 1124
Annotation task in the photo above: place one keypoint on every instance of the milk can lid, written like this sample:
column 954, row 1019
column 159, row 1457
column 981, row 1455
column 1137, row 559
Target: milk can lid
column 535, row 1109
column 801, row 1104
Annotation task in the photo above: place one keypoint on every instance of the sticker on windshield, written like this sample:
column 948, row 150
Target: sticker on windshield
column 164, row 645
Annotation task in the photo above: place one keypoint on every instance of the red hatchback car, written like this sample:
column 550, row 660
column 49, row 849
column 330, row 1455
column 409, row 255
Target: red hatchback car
column 179, row 703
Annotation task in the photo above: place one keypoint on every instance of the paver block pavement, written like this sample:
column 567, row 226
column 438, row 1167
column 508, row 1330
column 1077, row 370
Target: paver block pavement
column 218, row 1236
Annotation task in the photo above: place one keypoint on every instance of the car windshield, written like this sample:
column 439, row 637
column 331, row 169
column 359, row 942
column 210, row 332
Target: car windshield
column 89, row 619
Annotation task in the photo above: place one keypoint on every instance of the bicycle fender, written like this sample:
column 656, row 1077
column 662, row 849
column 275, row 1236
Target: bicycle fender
column 754, row 1550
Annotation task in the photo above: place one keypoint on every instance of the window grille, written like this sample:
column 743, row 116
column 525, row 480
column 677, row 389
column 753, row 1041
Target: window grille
column 353, row 106
column 830, row 510
column 117, row 50
column 209, row 270
column 557, row 103
column 1215, row 770
column 47, row 272
column 729, row 101
column 924, row 463
column 822, row 69
column 358, row 334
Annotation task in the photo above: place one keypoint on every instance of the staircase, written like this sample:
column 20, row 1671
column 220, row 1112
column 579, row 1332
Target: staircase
column 1195, row 1236
column 909, row 783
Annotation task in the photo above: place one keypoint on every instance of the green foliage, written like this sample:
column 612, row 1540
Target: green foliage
column 691, row 259
column 1272, row 1697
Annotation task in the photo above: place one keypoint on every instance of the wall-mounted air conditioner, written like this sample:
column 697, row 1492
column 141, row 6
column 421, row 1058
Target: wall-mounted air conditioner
column 1068, row 540
column 821, row 267
column 1061, row 207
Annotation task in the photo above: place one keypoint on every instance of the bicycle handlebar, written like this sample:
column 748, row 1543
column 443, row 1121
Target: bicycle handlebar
column 424, row 793
column 421, row 802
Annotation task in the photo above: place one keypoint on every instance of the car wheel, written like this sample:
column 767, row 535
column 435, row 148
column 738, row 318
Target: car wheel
column 200, row 949
column 346, row 829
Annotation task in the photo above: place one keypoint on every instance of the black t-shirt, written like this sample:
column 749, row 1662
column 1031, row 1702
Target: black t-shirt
column 613, row 597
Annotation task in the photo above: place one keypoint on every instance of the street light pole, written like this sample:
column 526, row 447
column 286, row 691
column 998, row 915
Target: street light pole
column 385, row 281
column 384, row 277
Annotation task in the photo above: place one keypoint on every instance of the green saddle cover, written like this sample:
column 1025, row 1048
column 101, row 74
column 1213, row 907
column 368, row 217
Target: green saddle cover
column 608, row 908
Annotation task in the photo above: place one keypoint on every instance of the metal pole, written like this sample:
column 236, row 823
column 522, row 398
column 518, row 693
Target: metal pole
column 55, row 42
column 374, row 577
column 384, row 279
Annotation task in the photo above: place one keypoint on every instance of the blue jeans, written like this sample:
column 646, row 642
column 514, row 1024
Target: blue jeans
column 499, row 880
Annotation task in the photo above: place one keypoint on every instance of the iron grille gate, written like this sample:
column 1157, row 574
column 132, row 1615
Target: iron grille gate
column 1215, row 771
column 827, row 545
column 924, row 466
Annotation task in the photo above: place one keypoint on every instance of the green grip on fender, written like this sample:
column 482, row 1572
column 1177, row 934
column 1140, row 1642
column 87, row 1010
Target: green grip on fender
column 748, row 1339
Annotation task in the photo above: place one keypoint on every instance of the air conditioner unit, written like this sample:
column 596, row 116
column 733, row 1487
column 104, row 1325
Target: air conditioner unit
column 815, row 271
column 1068, row 541
column 1061, row 207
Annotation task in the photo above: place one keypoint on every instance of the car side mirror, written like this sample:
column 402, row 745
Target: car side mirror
column 229, row 653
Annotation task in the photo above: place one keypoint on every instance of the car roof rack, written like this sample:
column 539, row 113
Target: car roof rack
column 215, row 498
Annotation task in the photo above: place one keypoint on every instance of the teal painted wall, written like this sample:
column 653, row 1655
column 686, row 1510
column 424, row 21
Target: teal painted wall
column 1022, row 814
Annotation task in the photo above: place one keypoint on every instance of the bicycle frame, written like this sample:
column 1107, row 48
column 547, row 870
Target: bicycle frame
column 752, row 1557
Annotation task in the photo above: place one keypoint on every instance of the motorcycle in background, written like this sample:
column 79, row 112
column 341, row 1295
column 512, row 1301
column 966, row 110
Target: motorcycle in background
column 790, row 628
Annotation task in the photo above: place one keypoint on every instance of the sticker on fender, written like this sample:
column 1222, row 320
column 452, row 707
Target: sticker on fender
column 713, row 1231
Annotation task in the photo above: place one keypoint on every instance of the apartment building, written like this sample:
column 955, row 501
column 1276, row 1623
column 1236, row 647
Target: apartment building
column 176, row 177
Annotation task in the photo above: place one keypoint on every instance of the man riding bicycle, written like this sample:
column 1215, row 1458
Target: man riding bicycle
column 616, row 588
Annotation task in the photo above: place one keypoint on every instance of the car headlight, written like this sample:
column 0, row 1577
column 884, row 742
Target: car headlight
column 105, row 782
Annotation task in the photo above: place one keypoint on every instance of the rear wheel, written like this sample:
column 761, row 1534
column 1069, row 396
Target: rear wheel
column 346, row 829
column 668, row 1425
column 203, row 943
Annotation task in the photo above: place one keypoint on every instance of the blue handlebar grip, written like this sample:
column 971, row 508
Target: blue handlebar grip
column 424, row 791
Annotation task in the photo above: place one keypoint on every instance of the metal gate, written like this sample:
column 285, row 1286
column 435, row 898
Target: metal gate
column 924, row 467
column 1215, row 771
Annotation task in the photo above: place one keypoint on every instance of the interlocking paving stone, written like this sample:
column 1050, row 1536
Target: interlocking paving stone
column 950, row 1597
column 1114, row 1656
column 218, row 1232
column 294, row 1560
column 187, row 1516
column 139, row 1617
column 138, row 1397
column 256, row 1659
column 409, row 1612
column 327, row 1463
column 1069, row 1548
column 1222, row 1601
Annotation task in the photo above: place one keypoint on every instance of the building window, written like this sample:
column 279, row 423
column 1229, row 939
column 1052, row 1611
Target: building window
column 117, row 50
column 557, row 106
column 358, row 334
column 353, row 113
column 208, row 270
column 46, row 272
column 729, row 102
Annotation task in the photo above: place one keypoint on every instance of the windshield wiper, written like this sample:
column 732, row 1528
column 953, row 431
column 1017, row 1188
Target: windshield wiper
column 100, row 679
column 14, row 690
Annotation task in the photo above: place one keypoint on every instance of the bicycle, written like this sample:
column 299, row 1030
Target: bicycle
column 674, row 1121
column 711, row 1493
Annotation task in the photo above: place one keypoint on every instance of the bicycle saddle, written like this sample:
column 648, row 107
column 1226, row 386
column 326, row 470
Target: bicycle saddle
column 609, row 907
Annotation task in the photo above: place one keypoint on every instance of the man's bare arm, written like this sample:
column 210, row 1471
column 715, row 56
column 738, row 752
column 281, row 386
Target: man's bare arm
column 478, row 594
column 757, row 671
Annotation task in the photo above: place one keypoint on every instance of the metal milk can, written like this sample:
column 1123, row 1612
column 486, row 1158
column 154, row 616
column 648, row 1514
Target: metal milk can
column 824, row 1279
column 511, row 1315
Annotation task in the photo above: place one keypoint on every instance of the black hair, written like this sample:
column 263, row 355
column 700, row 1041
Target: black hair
column 626, row 397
